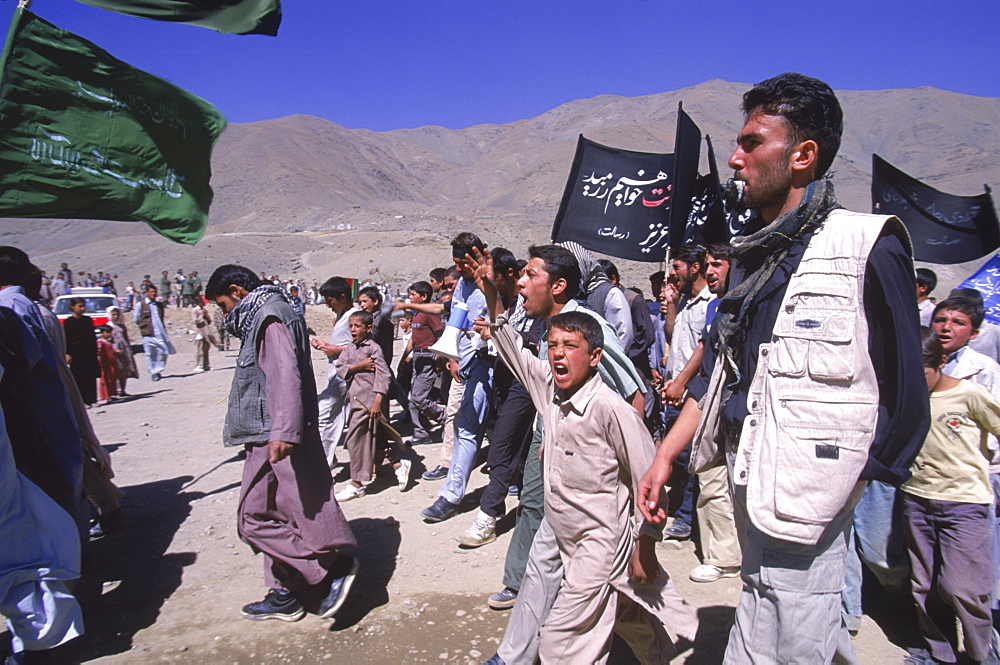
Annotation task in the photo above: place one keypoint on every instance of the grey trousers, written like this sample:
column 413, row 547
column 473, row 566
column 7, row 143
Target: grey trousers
column 789, row 610
column 530, row 510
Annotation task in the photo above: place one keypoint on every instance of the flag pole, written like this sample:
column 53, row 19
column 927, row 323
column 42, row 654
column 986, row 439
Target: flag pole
column 15, row 24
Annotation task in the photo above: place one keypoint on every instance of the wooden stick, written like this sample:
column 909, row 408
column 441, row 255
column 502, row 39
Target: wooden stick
column 397, row 439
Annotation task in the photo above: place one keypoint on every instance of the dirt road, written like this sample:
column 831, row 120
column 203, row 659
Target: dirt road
column 169, row 587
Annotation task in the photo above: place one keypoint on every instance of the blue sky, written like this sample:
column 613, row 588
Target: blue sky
column 388, row 64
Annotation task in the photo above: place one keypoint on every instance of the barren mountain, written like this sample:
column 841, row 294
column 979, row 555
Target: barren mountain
column 304, row 195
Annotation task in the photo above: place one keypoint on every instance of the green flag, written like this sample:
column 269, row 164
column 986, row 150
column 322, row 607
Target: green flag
column 243, row 17
column 84, row 135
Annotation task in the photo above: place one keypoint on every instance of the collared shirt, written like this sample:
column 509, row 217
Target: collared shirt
column 467, row 292
column 688, row 329
column 615, row 367
column 340, row 336
column 926, row 309
column 363, row 384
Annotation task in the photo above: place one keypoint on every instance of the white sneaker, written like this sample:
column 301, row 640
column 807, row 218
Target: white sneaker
column 482, row 531
column 199, row 369
column 707, row 572
column 403, row 474
column 349, row 492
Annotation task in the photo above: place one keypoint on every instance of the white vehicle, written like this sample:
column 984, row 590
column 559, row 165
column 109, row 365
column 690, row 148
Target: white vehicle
column 97, row 301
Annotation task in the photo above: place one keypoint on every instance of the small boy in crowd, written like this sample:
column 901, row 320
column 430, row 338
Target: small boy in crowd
column 404, row 368
column 926, row 281
column 425, row 330
column 107, row 358
column 595, row 446
column 363, row 367
column 947, row 511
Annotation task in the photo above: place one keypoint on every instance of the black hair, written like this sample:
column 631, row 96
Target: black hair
column 810, row 107
column 464, row 242
column 14, row 266
column 365, row 316
column 103, row 328
column 293, row 286
column 927, row 278
column 520, row 265
column 658, row 276
column 971, row 308
column 453, row 272
column 229, row 274
column 560, row 264
column 690, row 254
column 423, row 288
column 610, row 269
column 33, row 282
column 580, row 322
column 722, row 251
column 373, row 294
column 504, row 262
column 437, row 274
column 969, row 294
column 932, row 348
column 337, row 288
column 77, row 301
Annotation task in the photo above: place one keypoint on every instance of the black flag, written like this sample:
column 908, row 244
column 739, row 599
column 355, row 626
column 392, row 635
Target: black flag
column 623, row 203
column 707, row 221
column 945, row 228
column 687, row 153
column 617, row 202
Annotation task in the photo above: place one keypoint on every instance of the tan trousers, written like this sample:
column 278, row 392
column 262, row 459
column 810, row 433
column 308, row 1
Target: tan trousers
column 360, row 442
column 719, row 542
column 448, row 432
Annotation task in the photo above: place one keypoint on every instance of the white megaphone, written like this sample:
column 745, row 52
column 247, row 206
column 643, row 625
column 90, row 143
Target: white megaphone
column 458, row 323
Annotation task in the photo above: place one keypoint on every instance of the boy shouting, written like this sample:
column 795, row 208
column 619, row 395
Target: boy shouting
column 594, row 450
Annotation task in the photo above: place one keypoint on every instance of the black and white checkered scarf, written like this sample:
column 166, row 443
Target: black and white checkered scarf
column 239, row 322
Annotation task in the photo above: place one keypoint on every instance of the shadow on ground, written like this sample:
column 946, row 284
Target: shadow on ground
column 378, row 547
column 130, row 574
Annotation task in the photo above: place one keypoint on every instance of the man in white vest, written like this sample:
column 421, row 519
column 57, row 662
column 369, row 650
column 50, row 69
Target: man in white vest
column 811, row 377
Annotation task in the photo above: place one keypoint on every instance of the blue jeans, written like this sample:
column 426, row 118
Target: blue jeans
column 470, row 426
column 877, row 539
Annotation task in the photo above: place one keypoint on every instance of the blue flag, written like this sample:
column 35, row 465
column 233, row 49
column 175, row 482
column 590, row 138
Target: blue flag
column 986, row 280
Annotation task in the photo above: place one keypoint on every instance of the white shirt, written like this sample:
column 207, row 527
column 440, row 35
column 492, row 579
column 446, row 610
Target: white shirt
column 688, row 328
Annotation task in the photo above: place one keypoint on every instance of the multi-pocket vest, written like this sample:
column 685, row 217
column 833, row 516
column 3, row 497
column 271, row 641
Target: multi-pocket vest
column 813, row 401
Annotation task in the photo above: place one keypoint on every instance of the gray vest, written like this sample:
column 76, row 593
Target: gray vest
column 247, row 420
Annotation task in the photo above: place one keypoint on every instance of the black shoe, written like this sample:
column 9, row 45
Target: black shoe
column 113, row 521
column 503, row 599
column 421, row 441
column 441, row 510
column 277, row 604
column 340, row 585
column 437, row 473
column 155, row 377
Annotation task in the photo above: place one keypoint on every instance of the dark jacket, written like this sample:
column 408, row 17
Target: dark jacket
column 247, row 420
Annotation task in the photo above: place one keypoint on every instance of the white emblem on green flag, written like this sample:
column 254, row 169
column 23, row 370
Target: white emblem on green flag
column 84, row 135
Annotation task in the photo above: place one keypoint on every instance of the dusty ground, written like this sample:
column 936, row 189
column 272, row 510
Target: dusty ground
column 169, row 587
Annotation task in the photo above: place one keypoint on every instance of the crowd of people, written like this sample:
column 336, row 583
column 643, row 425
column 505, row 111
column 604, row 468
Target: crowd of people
column 795, row 399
